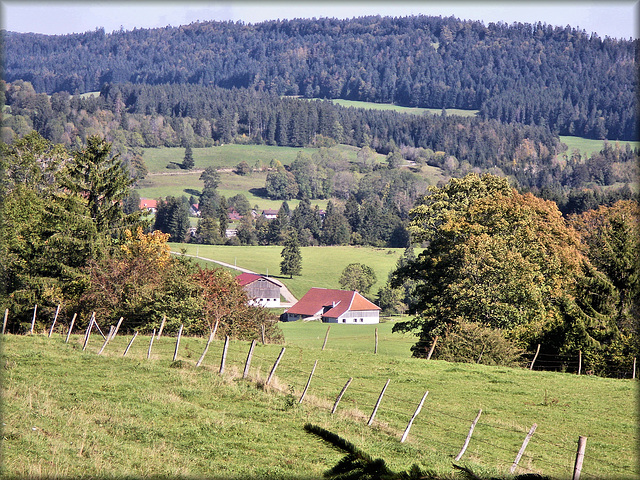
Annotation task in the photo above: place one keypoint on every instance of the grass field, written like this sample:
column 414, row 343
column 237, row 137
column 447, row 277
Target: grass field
column 230, row 155
column 162, row 182
column 74, row 414
column 321, row 266
column 587, row 146
column 399, row 109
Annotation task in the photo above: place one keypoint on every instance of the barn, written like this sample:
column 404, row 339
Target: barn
column 334, row 306
column 261, row 290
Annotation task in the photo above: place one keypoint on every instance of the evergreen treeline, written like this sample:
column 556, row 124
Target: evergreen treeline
column 563, row 78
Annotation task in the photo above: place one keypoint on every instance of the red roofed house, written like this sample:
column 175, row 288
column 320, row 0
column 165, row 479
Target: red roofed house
column 260, row 290
column 334, row 306
column 148, row 204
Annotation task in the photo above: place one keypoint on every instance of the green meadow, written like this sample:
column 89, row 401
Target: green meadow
column 587, row 147
column 69, row 413
column 321, row 266
column 400, row 109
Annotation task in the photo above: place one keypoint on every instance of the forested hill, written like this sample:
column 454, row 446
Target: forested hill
column 563, row 78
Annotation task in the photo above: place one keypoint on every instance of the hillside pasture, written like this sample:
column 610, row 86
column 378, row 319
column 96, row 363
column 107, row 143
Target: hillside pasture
column 321, row 266
column 230, row 155
column 588, row 147
column 397, row 108
column 74, row 414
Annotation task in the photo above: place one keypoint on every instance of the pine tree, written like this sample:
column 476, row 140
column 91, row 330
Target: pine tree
column 291, row 263
column 188, row 163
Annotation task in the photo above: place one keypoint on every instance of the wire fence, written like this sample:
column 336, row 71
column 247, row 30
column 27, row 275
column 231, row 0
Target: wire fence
column 443, row 429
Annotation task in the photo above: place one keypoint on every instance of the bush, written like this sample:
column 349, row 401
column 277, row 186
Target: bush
column 474, row 343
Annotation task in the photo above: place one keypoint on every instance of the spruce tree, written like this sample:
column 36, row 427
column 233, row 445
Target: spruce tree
column 291, row 263
column 188, row 163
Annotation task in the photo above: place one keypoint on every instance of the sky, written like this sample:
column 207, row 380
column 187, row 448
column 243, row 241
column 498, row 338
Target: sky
column 616, row 19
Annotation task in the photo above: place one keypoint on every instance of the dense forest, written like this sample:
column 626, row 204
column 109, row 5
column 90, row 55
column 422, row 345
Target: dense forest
column 565, row 79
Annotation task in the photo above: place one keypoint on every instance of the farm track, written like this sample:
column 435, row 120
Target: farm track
column 284, row 291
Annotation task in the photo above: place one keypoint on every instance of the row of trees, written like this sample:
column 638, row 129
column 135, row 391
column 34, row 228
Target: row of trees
column 567, row 79
column 66, row 239
column 510, row 263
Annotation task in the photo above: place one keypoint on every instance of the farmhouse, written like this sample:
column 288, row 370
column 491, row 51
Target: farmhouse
column 148, row 204
column 260, row 290
column 334, row 306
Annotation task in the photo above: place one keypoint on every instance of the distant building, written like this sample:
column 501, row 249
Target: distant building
column 334, row 306
column 149, row 204
column 270, row 214
column 260, row 290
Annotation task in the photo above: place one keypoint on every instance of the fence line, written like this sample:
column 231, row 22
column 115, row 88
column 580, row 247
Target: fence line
column 329, row 381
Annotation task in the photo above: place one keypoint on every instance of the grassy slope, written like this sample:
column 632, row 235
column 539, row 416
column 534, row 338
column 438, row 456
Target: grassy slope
column 321, row 266
column 162, row 182
column 73, row 414
column 399, row 109
column 587, row 146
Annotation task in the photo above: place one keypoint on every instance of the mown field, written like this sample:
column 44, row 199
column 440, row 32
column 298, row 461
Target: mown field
column 587, row 146
column 400, row 109
column 74, row 414
column 321, row 266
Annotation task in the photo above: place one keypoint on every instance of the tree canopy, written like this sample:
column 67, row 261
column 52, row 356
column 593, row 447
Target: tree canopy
column 507, row 261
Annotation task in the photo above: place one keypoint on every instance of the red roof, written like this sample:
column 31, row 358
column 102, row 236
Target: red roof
column 330, row 303
column 247, row 278
column 148, row 203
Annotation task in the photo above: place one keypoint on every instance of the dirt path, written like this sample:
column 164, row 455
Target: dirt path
column 284, row 291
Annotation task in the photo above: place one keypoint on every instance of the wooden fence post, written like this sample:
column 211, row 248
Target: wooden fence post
column 175, row 353
column 308, row 382
column 344, row 389
column 375, row 349
column 326, row 336
column 577, row 469
column 153, row 334
column 262, row 331
column 406, row 431
column 579, row 362
column 88, row 332
column 248, row 362
column 106, row 340
column 206, row 348
column 466, row 442
column 224, row 354
column 73, row 320
column 164, row 319
column 433, row 346
column 534, row 357
column 6, row 316
column 55, row 317
column 522, row 448
column 633, row 374
column 375, row 409
column 135, row 334
column 275, row 365
column 33, row 320
column 115, row 332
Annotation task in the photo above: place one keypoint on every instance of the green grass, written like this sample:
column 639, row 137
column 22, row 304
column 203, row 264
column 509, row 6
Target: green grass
column 587, row 146
column 162, row 182
column 321, row 266
column 74, row 414
column 230, row 155
column 399, row 109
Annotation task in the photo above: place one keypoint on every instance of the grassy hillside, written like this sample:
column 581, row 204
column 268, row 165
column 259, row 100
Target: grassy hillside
column 228, row 156
column 321, row 266
column 587, row 146
column 399, row 109
column 74, row 414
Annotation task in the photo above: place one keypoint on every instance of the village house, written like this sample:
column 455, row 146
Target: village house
column 270, row 214
column 261, row 290
column 333, row 306
column 149, row 204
